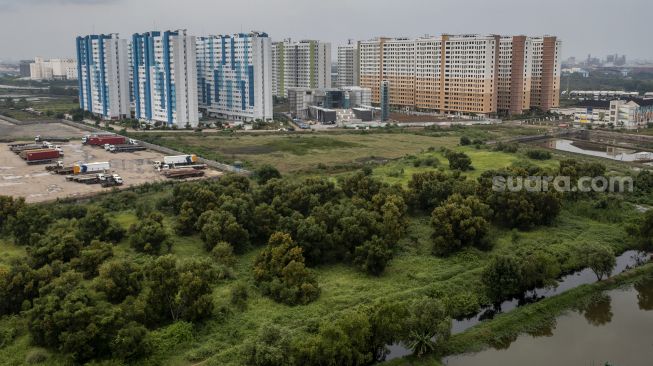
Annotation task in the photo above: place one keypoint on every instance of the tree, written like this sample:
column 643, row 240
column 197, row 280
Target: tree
column 187, row 219
column 265, row 173
column 271, row 347
column 96, row 225
column 464, row 141
column 223, row 253
column 29, row 220
column 9, row 207
column 599, row 258
column 221, row 226
column 429, row 189
column 427, row 326
column 539, row 269
column 502, row 277
column 458, row 160
column 644, row 231
column 458, row 223
column 20, row 284
column 91, row 257
column 118, row 279
column 59, row 243
column 373, row 256
column 178, row 292
column 149, row 234
column 280, row 272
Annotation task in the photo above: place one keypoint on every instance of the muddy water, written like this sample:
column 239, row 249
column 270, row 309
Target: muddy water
column 613, row 330
column 625, row 261
column 599, row 150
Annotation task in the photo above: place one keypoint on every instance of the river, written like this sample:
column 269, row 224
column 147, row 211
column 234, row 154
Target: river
column 625, row 261
column 614, row 330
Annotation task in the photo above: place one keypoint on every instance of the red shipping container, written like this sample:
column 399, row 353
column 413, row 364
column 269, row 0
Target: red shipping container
column 37, row 155
column 111, row 140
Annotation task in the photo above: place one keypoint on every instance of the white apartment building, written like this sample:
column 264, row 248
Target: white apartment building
column 631, row 114
column 164, row 70
column 304, row 64
column 235, row 76
column 102, row 69
column 348, row 65
column 56, row 68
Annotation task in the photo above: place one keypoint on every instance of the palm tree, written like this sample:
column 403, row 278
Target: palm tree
column 421, row 343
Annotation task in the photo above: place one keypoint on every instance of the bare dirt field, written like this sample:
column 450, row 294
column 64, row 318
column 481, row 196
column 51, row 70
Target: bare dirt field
column 33, row 182
column 10, row 131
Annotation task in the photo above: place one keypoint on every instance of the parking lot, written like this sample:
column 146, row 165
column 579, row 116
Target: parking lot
column 33, row 182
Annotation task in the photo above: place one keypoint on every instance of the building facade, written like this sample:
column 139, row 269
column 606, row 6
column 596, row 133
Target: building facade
column 468, row 74
column 53, row 69
column 348, row 66
column 164, row 72
column 303, row 64
column 235, row 76
column 102, row 70
column 631, row 114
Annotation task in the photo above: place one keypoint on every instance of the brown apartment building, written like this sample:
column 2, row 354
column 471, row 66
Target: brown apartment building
column 464, row 73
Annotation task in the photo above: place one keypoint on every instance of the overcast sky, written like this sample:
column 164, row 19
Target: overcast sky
column 48, row 27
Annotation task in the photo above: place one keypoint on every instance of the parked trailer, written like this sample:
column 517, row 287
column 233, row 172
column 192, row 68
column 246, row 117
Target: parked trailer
column 40, row 156
column 40, row 138
column 59, row 168
column 183, row 173
column 102, row 140
column 180, row 159
column 86, row 168
column 126, row 148
column 24, row 147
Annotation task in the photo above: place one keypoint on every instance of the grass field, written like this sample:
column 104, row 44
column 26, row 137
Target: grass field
column 306, row 151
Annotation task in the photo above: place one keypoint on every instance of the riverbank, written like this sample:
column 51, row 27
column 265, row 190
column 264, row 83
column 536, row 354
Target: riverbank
column 532, row 319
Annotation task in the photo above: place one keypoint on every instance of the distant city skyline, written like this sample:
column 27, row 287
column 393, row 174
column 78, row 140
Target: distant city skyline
column 48, row 27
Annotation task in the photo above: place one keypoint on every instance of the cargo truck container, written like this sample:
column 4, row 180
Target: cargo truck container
column 40, row 156
column 102, row 140
column 85, row 168
column 175, row 160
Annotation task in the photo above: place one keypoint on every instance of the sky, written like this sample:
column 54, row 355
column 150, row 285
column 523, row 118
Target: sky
column 599, row 27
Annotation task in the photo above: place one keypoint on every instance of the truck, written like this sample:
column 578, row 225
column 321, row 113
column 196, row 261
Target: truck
column 40, row 156
column 175, row 160
column 110, row 180
column 86, row 168
column 59, row 168
column 40, row 138
column 126, row 148
column 102, row 140
column 183, row 173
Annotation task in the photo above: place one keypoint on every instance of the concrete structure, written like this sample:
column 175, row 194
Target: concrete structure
column 304, row 64
column 348, row 65
column 468, row 74
column 302, row 99
column 235, row 76
column 164, row 72
column 102, row 69
column 59, row 69
column 24, row 68
column 631, row 114
column 384, row 94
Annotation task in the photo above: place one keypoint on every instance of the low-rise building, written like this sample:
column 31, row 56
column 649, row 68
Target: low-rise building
column 631, row 114
column 301, row 99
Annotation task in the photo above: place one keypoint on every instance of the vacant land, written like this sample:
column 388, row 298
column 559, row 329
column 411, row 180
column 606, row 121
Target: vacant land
column 297, row 152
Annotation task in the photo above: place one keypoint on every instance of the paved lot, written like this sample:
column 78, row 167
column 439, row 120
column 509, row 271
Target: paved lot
column 36, row 184
column 10, row 131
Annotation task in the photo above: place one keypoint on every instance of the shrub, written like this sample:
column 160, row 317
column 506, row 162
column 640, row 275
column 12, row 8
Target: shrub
column 538, row 154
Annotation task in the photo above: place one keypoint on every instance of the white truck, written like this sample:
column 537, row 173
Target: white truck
column 172, row 161
column 85, row 168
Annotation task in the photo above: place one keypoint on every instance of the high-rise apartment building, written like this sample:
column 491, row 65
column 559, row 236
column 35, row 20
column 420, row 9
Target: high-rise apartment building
column 102, row 70
column 235, row 76
column 348, row 65
column 164, row 72
column 545, row 90
column 463, row 73
column 305, row 64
